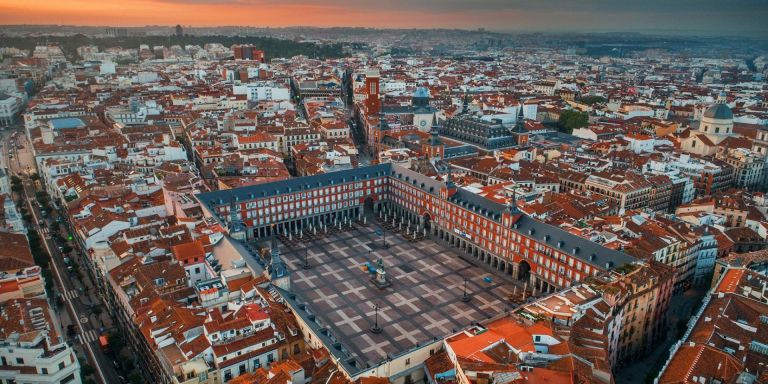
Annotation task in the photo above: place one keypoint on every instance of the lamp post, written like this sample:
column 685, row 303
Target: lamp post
column 376, row 329
column 465, row 298
column 306, row 258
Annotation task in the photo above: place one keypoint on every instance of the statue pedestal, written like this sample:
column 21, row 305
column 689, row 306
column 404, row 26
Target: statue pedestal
column 381, row 280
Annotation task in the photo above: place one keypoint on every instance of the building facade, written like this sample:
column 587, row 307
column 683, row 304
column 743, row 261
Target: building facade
column 488, row 232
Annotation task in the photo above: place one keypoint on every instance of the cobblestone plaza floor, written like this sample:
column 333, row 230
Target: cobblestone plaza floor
column 423, row 301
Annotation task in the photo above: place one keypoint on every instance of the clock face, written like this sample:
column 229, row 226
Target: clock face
column 423, row 123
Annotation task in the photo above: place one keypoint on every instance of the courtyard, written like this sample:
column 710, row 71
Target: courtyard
column 421, row 304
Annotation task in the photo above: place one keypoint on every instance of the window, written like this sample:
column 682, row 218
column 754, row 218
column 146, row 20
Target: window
column 44, row 371
column 20, row 360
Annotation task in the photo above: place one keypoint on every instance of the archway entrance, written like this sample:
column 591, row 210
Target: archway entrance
column 368, row 205
column 524, row 271
column 427, row 222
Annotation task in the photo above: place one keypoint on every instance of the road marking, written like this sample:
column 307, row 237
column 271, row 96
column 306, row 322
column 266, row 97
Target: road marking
column 57, row 274
column 88, row 337
column 71, row 294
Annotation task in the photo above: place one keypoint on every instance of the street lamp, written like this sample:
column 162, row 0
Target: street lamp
column 306, row 258
column 376, row 329
column 465, row 298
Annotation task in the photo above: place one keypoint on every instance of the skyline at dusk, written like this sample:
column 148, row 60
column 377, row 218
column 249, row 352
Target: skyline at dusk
column 383, row 191
column 705, row 17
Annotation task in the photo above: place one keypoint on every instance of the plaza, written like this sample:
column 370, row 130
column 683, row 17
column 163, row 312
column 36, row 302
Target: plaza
column 422, row 304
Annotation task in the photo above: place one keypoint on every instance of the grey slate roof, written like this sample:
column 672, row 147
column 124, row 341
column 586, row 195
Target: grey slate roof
column 585, row 250
column 719, row 111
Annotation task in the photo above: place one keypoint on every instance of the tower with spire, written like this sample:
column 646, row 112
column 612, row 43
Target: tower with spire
column 433, row 147
column 519, row 132
column 278, row 273
column 465, row 106
column 235, row 224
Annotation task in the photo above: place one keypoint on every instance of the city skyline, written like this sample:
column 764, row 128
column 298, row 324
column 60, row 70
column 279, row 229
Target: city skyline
column 704, row 18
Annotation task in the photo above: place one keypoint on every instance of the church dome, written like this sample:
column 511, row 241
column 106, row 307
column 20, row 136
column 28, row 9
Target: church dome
column 719, row 111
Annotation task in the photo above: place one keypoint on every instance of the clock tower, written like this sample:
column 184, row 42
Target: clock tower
column 372, row 100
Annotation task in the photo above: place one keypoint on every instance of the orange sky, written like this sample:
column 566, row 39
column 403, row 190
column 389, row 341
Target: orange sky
column 699, row 17
column 271, row 13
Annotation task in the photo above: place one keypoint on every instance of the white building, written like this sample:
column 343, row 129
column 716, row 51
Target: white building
column 31, row 352
column 10, row 107
column 262, row 91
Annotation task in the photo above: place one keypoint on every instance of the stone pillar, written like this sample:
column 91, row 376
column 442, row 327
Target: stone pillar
column 515, row 271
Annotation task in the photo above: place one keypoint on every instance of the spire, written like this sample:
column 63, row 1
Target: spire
column 465, row 108
column 512, row 205
column 722, row 98
column 383, row 122
column 520, row 121
column 449, row 178
column 276, row 263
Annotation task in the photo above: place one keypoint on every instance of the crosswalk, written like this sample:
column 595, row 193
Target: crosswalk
column 88, row 337
column 71, row 294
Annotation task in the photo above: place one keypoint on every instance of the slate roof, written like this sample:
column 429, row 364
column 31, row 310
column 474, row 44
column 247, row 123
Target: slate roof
column 719, row 111
column 568, row 243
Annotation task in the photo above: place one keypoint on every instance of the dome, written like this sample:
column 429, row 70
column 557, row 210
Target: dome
column 719, row 111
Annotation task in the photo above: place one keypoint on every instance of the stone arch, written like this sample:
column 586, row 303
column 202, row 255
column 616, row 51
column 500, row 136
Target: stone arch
column 427, row 220
column 524, row 271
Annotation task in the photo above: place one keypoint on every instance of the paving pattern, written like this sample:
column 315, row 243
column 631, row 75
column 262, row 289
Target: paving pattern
column 422, row 303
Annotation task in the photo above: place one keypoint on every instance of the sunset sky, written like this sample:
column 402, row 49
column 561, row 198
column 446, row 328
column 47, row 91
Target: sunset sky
column 707, row 17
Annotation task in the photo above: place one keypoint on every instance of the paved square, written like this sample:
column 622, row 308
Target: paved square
column 422, row 303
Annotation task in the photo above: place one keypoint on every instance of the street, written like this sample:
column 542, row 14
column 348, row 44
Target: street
column 74, row 299
column 680, row 308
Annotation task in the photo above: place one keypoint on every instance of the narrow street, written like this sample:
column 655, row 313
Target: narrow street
column 680, row 308
column 80, row 311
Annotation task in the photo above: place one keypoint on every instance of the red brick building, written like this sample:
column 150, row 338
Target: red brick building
column 488, row 232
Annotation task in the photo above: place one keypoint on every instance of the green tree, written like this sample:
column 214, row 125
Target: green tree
column 15, row 180
column 116, row 342
column 86, row 370
column 570, row 120
column 589, row 100
column 35, row 176
column 136, row 378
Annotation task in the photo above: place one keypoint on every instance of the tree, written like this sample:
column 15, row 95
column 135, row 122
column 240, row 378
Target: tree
column 136, row 378
column 116, row 341
column 35, row 176
column 589, row 100
column 15, row 180
column 96, row 310
column 86, row 370
column 570, row 120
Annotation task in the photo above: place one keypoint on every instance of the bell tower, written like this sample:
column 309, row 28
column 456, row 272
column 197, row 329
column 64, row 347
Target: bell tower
column 372, row 100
